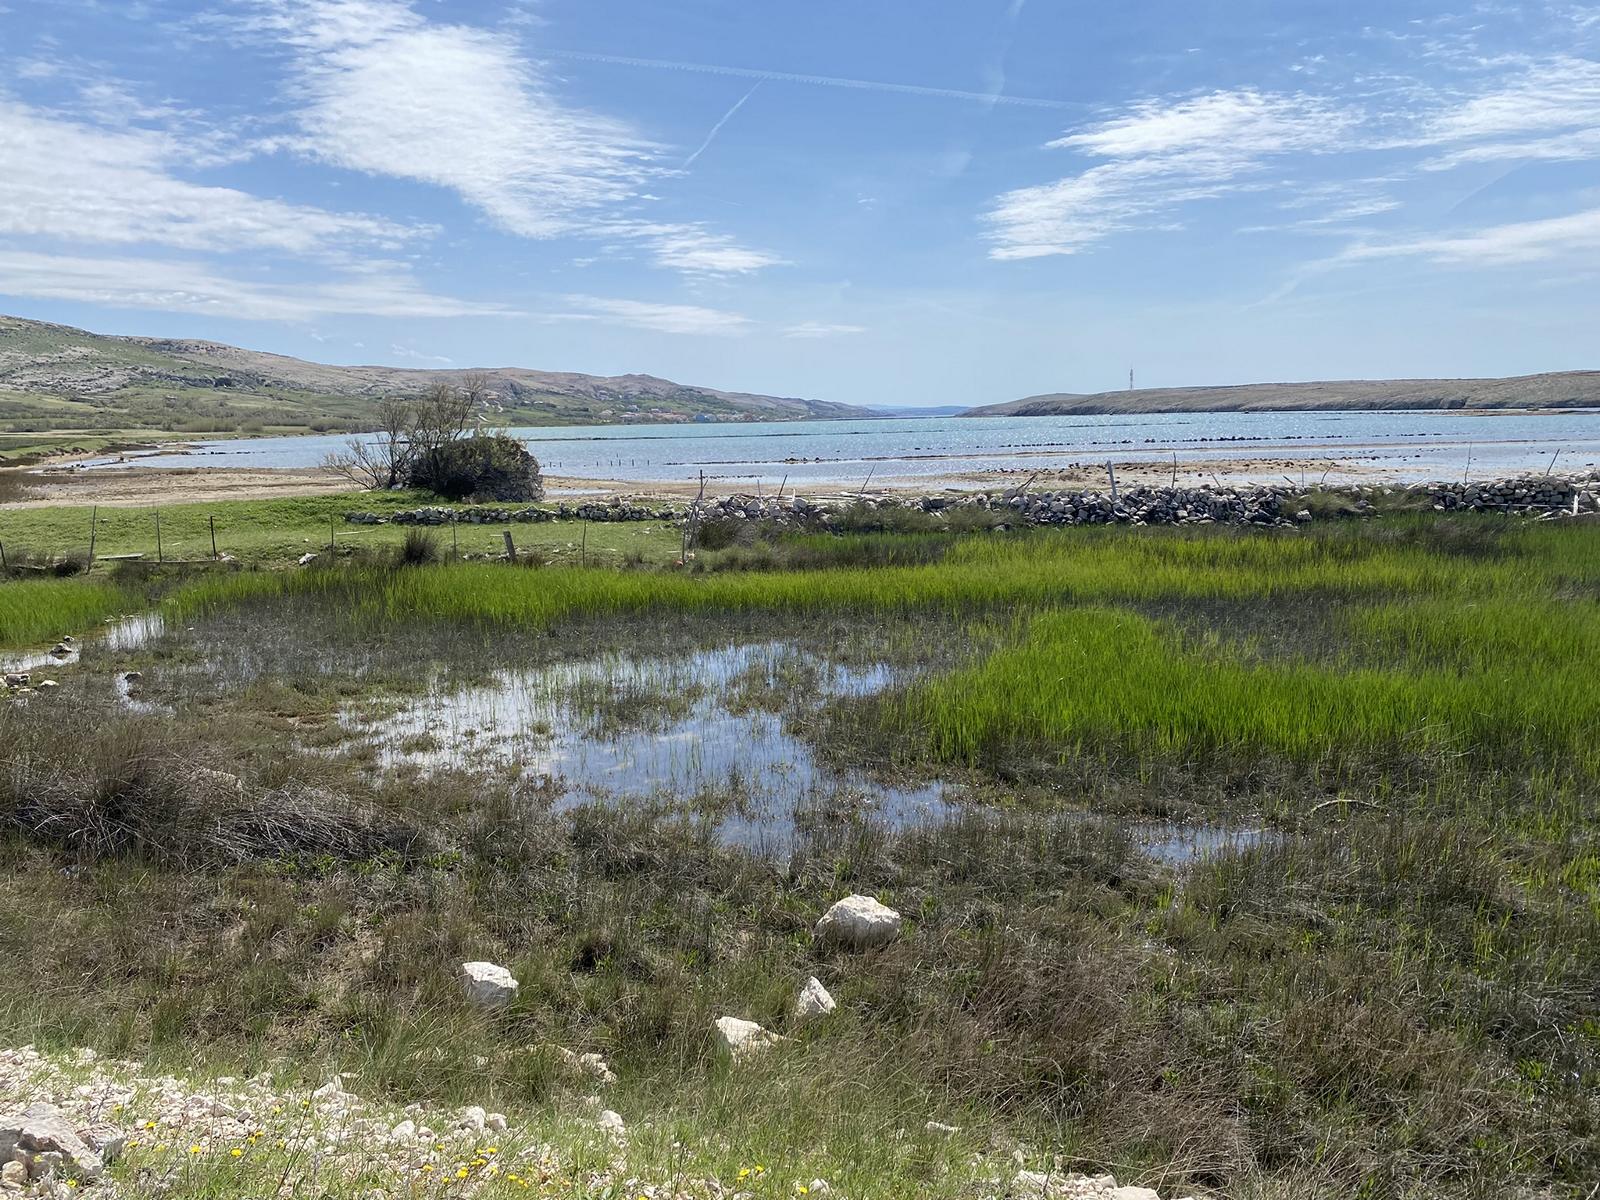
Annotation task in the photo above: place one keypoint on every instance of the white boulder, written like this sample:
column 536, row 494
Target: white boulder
column 813, row 1001
column 858, row 923
column 742, row 1038
column 488, row 984
column 42, row 1136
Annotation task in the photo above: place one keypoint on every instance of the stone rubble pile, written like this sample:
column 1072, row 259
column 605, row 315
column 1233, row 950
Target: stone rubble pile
column 1245, row 504
column 1260, row 504
column 615, row 510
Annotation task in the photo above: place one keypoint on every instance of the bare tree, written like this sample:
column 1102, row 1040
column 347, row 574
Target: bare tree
column 382, row 461
column 415, row 441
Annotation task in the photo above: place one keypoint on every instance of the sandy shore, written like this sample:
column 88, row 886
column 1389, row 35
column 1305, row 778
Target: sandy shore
column 149, row 486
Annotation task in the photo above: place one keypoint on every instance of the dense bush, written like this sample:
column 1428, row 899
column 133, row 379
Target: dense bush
column 485, row 467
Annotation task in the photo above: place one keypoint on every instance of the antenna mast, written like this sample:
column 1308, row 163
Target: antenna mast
column 1130, row 379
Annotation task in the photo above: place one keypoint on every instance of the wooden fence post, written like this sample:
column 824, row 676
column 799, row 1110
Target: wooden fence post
column 511, row 547
column 159, row 557
column 94, row 516
column 213, row 521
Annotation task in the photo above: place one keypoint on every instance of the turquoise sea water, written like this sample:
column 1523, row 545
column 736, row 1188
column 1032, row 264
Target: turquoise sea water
column 1401, row 445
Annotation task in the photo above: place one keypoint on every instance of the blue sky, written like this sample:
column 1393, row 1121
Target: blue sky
column 894, row 202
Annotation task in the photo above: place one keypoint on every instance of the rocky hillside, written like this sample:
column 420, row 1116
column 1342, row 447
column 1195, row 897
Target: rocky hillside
column 1563, row 389
column 54, row 377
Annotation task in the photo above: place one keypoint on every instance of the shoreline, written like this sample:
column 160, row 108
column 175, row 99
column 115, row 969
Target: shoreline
column 151, row 486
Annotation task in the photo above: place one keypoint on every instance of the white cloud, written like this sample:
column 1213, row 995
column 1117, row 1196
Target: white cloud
column 382, row 90
column 1224, row 125
column 819, row 329
column 383, row 290
column 659, row 318
column 1549, row 110
column 407, row 352
column 1500, row 245
column 69, row 180
column 1162, row 155
column 692, row 249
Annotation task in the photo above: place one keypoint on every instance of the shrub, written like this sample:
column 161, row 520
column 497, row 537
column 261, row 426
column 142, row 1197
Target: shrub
column 419, row 548
column 484, row 467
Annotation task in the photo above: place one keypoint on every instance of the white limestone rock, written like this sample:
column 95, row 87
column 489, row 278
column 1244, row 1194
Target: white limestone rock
column 742, row 1038
column 488, row 984
column 42, row 1135
column 813, row 1001
column 858, row 923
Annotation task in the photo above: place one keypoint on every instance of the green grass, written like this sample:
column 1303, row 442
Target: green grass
column 33, row 611
column 277, row 532
column 1480, row 681
column 981, row 573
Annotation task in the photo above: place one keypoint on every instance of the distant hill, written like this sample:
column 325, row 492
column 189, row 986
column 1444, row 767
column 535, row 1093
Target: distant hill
column 930, row 410
column 54, row 377
column 1563, row 389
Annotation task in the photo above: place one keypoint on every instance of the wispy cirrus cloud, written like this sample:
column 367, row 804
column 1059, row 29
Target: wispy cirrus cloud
column 821, row 329
column 1547, row 110
column 657, row 318
column 74, row 181
column 381, row 89
column 1158, row 157
column 1499, row 245
column 382, row 289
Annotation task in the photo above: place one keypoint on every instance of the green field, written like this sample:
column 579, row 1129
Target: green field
column 275, row 533
column 1268, row 865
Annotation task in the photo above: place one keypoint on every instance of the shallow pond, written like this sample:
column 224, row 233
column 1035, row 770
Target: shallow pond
column 699, row 734
column 120, row 633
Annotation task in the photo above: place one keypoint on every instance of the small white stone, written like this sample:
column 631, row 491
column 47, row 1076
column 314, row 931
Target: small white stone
column 1133, row 1193
column 609, row 1121
column 940, row 1128
column 488, row 984
column 406, row 1131
column 813, row 1001
column 496, row 1122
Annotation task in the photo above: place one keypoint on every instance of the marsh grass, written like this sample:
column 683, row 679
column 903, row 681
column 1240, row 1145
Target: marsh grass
column 1391, row 996
column 38, row 610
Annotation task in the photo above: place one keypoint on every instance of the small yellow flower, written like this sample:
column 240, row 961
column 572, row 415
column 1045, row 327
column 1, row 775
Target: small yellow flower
column 149, row 1124
column 236, row 1152
column 194, row 1149
column 461, row 1174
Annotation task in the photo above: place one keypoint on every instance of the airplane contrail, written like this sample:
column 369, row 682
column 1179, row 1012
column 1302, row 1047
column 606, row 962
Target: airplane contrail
column 717, row 128
column 867, row 85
